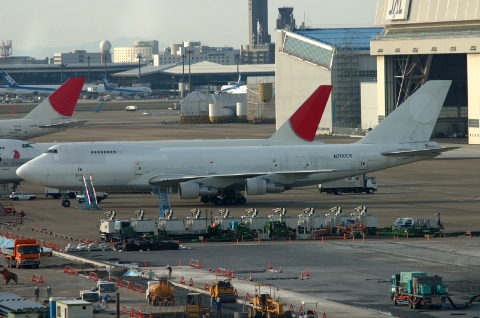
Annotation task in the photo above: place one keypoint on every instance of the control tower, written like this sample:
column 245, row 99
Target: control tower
column 285, row 20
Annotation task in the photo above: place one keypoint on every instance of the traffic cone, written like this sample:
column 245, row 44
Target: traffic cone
column 301, row 276
column 270, row 265
column 247, row 297
column 251, row 279
column 306, row 273
column 210, row 269
column 281, row 271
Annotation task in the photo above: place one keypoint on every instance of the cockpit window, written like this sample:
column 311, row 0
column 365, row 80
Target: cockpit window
column 51, row 151
column 27, row 146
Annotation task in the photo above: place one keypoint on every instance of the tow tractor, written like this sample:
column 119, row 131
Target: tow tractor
column 418, row 289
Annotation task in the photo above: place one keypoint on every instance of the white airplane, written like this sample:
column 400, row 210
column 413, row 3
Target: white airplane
column 142, row 91
column 221, row 172
column 23, row 151
column 234, row 89
column 53, row 114
column 13, row 88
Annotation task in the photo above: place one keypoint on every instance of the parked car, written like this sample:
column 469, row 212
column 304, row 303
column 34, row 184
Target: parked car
column 22, row 196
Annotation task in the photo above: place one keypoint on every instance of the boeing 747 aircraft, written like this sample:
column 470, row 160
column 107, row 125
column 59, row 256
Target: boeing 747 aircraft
column 18, row 152
column 142, row 91
column 53, row 114
column 221, row 174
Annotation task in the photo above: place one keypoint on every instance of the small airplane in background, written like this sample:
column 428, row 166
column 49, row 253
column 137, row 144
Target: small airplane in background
column 234, row 89
column 141, row 91
column 221, row 172
column 53, row 114
column 13, row 88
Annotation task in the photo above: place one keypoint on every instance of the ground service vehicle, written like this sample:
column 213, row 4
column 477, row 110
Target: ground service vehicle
column 418, row 289
column 105, row 287
column 356, row 184
column 194, row 307
column 309, row 309
column 223, row 290
column 22, row 196
column 266, row 306
column 161, row 293
column 92, row 297
column 57, row 194
column 21, row 253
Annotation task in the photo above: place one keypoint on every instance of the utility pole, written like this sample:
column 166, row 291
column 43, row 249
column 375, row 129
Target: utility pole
column 88, row 76
column 189, row 73
column 139, row 66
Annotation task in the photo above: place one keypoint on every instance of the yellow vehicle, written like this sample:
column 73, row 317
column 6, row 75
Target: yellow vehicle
column 161, row 293
column 264, row 305
column 194, row 307
column 223, row 290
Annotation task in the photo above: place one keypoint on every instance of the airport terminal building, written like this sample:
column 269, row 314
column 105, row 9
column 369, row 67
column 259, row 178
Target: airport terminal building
column 415, row 41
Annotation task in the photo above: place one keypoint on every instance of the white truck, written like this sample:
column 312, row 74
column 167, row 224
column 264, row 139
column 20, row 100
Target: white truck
column 92, row 297
column 355, row 184
column 57, row 194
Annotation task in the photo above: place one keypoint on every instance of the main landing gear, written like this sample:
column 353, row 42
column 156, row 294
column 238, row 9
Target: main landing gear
column 226, row 199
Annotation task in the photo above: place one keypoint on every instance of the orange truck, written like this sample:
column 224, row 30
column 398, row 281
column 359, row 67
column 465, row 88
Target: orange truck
column 21, row 253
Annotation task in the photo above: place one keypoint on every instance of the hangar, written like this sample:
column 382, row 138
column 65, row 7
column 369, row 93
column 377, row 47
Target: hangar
column 418, row 40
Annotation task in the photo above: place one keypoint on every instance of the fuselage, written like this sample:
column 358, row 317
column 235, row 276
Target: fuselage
column 122, row 167
column 23, row 128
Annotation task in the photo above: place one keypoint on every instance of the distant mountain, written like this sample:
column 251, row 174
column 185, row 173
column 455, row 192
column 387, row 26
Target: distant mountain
column 41, row 52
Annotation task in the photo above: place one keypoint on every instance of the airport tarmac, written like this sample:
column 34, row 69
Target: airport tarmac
column 353, row 275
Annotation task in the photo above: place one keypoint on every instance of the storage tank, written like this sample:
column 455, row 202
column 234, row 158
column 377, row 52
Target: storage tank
column 265, row 92
column 215, row 112
column 242, row 111
column 174, row 48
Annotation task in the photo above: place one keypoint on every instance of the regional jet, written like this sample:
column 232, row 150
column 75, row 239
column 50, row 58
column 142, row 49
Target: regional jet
column 142, row 91
column 222, row 173
column 53, row 114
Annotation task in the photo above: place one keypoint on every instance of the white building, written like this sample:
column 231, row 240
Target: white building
column 77, row 56
column 196, row 52
column 144, row 49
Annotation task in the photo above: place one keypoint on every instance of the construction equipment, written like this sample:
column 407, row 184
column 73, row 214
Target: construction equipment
column 194, row 307
column 223, row 290
column 161, row 293
column 264, row 305
column 418, row 289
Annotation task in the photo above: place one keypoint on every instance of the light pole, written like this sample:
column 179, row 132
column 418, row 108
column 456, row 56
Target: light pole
column 139, row 74
column 189, row 73
column 105, row 61
column 237, row 59
column 61, row 72
column 88, row 76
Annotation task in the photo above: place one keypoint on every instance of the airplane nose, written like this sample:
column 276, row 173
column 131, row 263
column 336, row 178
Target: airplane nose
column 26, row 172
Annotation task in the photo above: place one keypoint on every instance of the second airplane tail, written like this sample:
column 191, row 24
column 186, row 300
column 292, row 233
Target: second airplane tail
column 9, row 80
column 61, row 102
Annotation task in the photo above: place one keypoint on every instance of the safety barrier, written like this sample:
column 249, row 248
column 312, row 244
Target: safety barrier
column 93, row 276
column 37, row 278
column 195, row 263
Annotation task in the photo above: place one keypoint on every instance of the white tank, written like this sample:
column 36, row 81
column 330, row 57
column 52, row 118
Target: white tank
column 171, row 226
column 241, row 109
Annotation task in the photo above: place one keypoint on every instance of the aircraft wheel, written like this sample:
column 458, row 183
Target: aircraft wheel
column 241, row 200
column 205, row 199
column 66, row 203
column 218, row 201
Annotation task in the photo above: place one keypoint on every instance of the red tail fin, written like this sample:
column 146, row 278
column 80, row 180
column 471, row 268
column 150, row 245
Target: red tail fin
column 64, row 99
column 305, row 120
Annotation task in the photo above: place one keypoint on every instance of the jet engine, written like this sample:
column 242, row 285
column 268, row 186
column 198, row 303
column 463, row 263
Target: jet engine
column 192, row 190
column 257, row 186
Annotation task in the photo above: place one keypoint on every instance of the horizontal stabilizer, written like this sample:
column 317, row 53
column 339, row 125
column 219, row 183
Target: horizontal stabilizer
column 420, row 152
column 70, row 124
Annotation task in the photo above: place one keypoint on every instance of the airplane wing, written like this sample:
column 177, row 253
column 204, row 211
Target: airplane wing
column 69, row 124
column 420, row 152
column 228, row 180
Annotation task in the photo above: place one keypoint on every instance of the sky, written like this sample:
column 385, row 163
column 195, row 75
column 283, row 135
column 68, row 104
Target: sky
column 42, row 28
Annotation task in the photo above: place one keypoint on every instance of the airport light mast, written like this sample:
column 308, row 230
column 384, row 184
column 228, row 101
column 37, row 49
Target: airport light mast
column 189, row 73
column 139, row 66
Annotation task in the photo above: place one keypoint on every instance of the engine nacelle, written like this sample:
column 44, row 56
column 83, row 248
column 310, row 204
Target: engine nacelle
column 192, row 190
column 257, row 186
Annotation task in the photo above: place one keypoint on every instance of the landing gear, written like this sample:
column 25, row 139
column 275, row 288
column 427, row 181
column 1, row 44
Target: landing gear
column 229, row 198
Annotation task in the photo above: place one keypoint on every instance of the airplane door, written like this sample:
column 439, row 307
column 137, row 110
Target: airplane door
column 137, row 168
column 211, row 167
column 362, row 163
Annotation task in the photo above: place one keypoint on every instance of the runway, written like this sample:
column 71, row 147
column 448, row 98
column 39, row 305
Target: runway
column 347, row 278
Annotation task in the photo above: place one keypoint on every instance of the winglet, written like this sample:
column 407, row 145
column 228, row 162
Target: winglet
column 65, row 98
column 303, row 124
column 9, row 80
